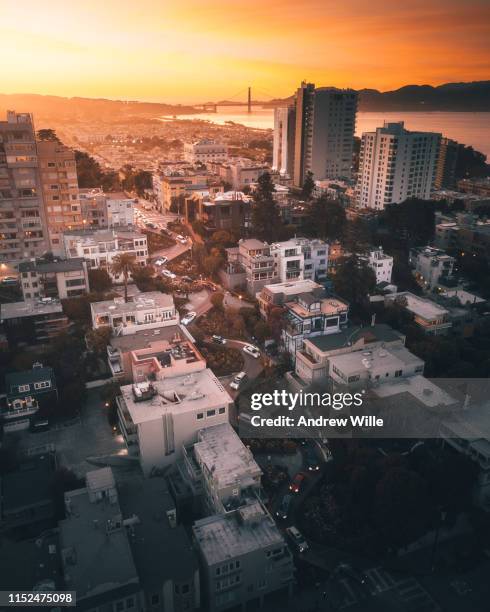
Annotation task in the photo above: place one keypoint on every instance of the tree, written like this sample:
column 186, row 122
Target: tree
column 125, row 264
column 265, row 212
column 262, row 331
column 354, row 281
column 47, row 135
column 308, row 186
column 212, row 264
column 217, row 300
column 357, row 235
column 98, row 339
column 412, row 221
column 143, row 278
column 327, row 219
column 99, row 280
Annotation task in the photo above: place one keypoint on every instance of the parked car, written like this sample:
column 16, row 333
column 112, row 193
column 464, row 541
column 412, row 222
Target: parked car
column 238, row 380
column 187, row 279
column 161, row 261
column 181, row 239
column 251, row 350
column 297, row 539
column 218, row 339
column 189, row 317
column 9, row 280
column 168, row 274
column 284, row 507
column 297, row 482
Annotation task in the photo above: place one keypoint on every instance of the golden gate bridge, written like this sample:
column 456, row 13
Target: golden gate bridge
column 235, row 100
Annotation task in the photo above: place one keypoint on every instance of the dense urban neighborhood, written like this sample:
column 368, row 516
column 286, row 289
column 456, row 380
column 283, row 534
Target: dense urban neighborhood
column 158, row 277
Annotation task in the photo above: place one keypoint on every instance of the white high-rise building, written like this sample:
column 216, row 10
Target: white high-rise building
column 283, row 145
column 395, row 164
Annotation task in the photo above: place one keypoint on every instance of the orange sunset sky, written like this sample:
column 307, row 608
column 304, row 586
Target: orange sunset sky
column 190, row 51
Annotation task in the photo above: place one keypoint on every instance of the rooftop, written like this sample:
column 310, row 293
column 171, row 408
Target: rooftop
column 376, row 360
column 329, row 306
column 141, row 301
column 160, row 551
column 33, row 375
column 199, row 390
column 29, row 485
column 221, row 537
column 117, row 195
column 57, row 265
column 419, row 387
column 89, row 236
column 224, row 455
column 350, row 335
column 95, row 546
column 293, row 287
column 148, row 337
column 30, row 308
column 252, row 244
column 422, row 307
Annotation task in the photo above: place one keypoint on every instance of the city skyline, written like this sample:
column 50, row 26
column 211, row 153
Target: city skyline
column 192, row 53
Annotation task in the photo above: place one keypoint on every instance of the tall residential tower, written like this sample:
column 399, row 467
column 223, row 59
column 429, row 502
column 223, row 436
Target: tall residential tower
column 395, row 164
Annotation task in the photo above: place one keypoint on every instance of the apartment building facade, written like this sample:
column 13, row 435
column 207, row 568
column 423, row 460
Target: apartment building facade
column 59, row 181
column 204, row 151
column 431, row 267
column 59, row 279
column 100, row 247
column 396, row 164
column 380, row 263
column 284, row 140
column 229, row 211
column 23, row 227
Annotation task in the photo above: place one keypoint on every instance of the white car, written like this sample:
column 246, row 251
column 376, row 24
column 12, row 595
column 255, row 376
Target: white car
column 169, row 274
column 181, row 239
column 251, row 350
column 161, row 261
column 189, row 317
column 297, row 539
column 237, row 381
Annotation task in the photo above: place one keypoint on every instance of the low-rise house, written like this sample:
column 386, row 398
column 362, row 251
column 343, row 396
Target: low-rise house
column 93, row 206
column 120, row 209
column 152, row 354
column 380, row 263
column 100, row 247
column 229, row 211
column 158, row 418
column 205, row 151
column 58, row 279
column 148, row 310
column 313, row 359
column 34, row 321
column 27, row 392
column 431, row 267
column 96, row 554
column 432, row 318
column 276, row 295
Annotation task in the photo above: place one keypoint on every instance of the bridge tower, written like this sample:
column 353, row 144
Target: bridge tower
column 249, row 100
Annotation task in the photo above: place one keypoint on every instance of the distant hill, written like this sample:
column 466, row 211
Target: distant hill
column 61, row 109
column 473, row 97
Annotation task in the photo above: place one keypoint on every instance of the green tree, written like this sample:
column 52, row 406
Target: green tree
column 327, row 219
column 99, row 280
column 125, row 264
column 265, row 213
column 47, row 134
column 143, row 278
column 354, row 281
column 98, row 339
column 217, row 300
column 212, row 264
column 308, row 186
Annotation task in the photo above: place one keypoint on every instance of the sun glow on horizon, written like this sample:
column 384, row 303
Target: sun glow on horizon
column 194, row 51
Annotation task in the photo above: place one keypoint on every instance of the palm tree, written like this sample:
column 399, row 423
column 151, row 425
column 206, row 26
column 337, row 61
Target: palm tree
column 124, row 264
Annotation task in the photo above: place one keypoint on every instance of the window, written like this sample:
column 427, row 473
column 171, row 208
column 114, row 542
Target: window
column 398, row 373
column 45, row 384
column 23, row 388
column 129, row 602
column 199, row 416
column 222, row 410
column 119, row 606
column 155, row 599
column 210, row 413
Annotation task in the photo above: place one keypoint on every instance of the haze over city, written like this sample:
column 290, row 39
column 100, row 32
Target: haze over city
column 196, row 51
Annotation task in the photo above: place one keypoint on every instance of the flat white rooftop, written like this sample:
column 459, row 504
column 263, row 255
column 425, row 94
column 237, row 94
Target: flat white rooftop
column 377, row 361
column 293, row 287
column 29, row 308
column 197, row 391
column 424, row 308
column 141, row 301
column 225, row 456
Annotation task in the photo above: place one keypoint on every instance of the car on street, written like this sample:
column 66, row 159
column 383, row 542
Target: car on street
column 187, row 279
column 218, row 339
column 284, row 508
column 161, row 261
column 181, row 239
column 238, row 380
column 9, row 280
column 189, row 317
column 297, row 482
column 297, row 539
column 168, row 274
column 311, row 460
column 251, row 350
